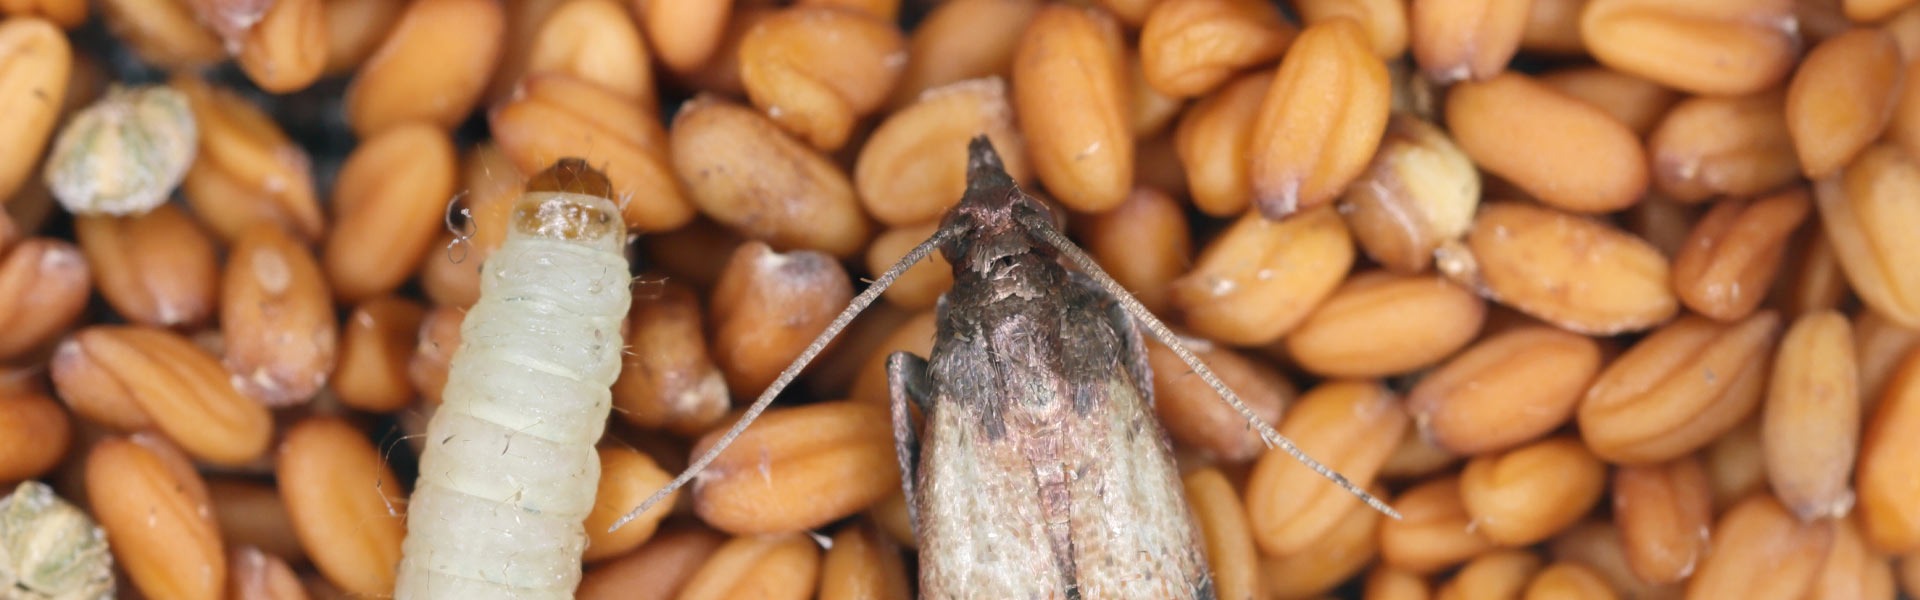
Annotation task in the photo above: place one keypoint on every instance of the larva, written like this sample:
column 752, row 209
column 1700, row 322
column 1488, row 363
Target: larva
column 509, row 471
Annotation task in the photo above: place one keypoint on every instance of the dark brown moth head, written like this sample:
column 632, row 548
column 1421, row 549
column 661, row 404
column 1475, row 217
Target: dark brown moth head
column 994, row 211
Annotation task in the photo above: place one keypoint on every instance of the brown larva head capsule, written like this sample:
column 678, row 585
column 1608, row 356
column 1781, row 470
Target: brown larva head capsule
column 573, row 176
column 569, row 201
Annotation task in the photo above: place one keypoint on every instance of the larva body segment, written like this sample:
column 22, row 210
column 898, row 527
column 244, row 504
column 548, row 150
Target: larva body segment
column 509, row 470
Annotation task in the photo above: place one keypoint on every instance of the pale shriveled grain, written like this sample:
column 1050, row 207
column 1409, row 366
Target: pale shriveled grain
column 125, row 154
column 50, row 549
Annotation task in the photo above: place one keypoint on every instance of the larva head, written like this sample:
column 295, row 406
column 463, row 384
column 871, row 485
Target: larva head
column 573, row 176
column 569, row 201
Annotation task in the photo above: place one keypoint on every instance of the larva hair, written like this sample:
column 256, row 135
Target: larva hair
column 509, row 472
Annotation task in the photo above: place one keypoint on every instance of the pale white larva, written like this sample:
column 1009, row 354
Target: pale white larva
column 509, row 472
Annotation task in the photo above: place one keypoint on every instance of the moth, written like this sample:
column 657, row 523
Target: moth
column 509, row 472
column 1042, row 471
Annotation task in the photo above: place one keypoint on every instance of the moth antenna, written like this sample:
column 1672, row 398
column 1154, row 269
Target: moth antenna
column 1059, row 241
column 787, row 376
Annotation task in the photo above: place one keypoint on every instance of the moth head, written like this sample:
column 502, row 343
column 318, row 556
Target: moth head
column 993, row 199
column 992, row 209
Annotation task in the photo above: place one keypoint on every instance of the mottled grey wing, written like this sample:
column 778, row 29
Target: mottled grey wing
column 1137, row 538
column 981, row 519
column 1071, row 492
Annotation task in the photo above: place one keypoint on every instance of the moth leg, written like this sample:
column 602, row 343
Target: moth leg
column 907, row 381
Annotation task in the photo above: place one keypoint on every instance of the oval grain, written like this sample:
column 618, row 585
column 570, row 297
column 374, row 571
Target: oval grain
column 767, row 307
column 1635, row 102
column 177, row 386
column 862, row 563
column 1193, row 412
column 44, row 286
column 1260, row 278
column 1351, row 427
column 34, row 435
column 1580, row 274
column 595, row 41
column 247, row 170
column 1069, row 90
column 1190, row 47
column 817, row 70
column 777, row 567
column 155, row 508
column 959, row 40
column 1664, row 512
column 1679, row 388
column 1733, row 254
column 1145, row 244
column 432, row 68
column 1707, row 146
column 1378, row 324
column 1841, row 98
column 376, row 342
column 627, row 478
column 1321, row 120
column 1418, row 194
column 286, row 50
column 345, row 503
column 1434, row 532
column 1505, row 389
column 1212, row 140
column 394, row 188
column 1866, row 214
column 913, row 166
column 1810, row 424
column 1760, row 551
column 280, row 332
column 1471, row 40
column 742, row 171
column 824, row 461
column 1498, row 574
column 35, row 62
column 1525, row 495
column 1717, row 47
column 1559, row 149
column 1340, row 554
column 159, row 268
column 655, row 571
column 1883, row 477
column 1231, row 556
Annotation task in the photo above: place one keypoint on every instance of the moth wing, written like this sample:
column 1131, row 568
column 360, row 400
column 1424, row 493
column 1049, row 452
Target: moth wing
column 982, row 521
column 1043, row 472
column 1133, row 535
